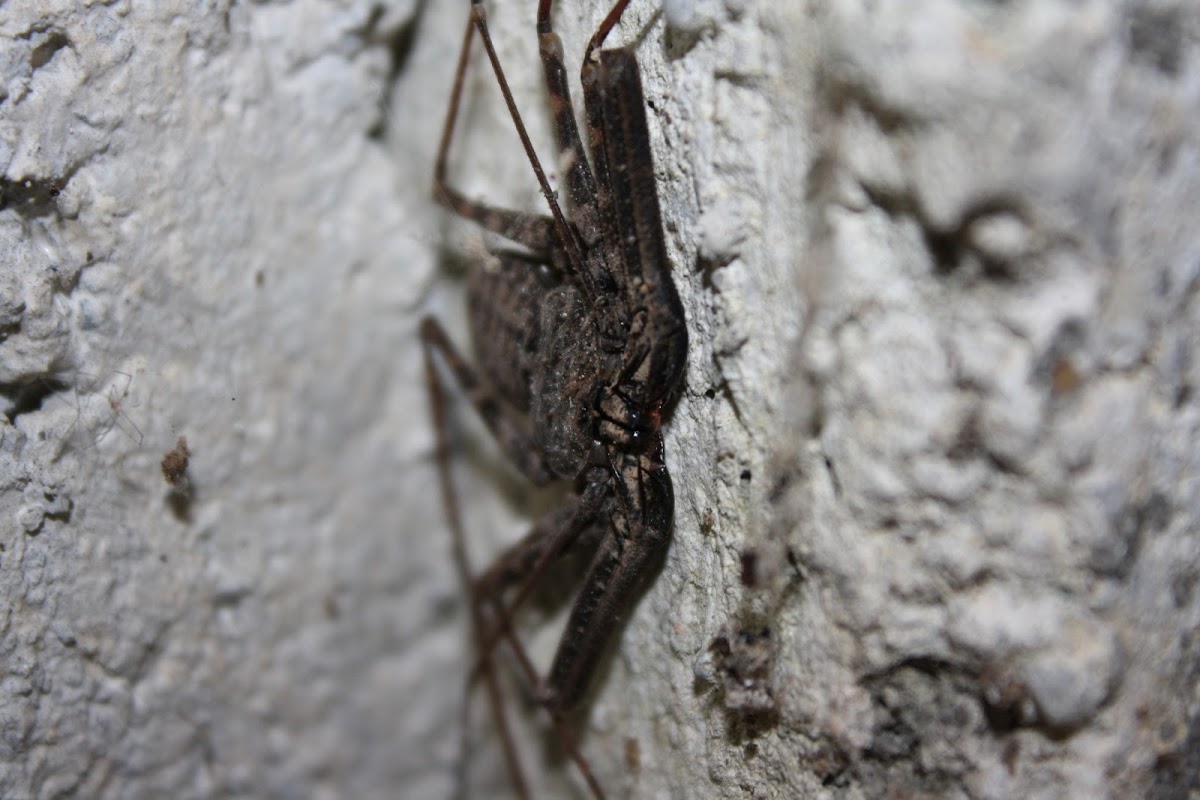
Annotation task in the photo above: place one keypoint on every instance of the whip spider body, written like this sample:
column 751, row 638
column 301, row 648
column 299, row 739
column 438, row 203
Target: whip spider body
column 582, row 344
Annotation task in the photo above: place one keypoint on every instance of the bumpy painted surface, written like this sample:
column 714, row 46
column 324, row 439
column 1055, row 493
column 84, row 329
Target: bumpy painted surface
column 940, row 274
column 201, row 237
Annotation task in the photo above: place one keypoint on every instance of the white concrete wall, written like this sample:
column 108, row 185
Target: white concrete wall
column 934, row 464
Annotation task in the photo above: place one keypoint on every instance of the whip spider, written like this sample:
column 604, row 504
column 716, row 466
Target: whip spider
column 581, row 345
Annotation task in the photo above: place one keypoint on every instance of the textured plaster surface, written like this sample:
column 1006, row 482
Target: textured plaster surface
column 935, row 473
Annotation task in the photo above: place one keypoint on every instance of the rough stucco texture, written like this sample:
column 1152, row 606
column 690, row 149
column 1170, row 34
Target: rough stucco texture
column 202, row 238
column 936, row 481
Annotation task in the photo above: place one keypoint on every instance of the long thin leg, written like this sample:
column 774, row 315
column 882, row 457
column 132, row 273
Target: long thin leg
column 566, row 236
column 545, row 544
column 520, row 450
column 533, row 231
column 580, row 183
column 528, row 230
column 458, row 544
column 610, row 21
column 551, row 537
column 525, row 562
column 593, row 110
column 566, row 738
column 517, row 446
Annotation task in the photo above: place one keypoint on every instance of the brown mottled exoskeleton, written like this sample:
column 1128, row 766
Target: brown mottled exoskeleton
column 582, row 344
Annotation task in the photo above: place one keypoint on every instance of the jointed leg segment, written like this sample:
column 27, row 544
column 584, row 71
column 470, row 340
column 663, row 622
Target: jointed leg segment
column 521, row 565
